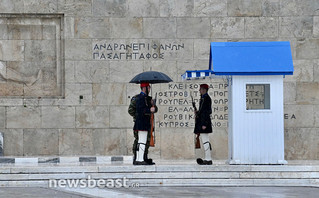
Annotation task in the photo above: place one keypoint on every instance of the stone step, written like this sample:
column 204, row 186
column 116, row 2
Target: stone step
column 185, row 182
column 227, row 182
column 163, row 175
column 157, row 168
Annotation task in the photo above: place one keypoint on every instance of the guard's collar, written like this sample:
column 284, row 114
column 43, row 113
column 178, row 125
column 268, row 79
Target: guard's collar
column 204, row 95
column 143, row 93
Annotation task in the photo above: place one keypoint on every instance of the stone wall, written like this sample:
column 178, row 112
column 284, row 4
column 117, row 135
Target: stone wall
column 88, row 50
column 30, row 56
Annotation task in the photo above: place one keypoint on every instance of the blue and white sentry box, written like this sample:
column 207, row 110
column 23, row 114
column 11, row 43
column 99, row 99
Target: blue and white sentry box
column 255, row 72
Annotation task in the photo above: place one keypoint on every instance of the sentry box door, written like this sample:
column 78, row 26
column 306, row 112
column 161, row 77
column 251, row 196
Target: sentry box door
column 256, row 132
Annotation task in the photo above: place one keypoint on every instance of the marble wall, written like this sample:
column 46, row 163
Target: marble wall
column 64, row 88
column 31, row 55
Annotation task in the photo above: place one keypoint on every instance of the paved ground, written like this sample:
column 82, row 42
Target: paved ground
column 218, row 192
column 225, row 192
column 37, row 192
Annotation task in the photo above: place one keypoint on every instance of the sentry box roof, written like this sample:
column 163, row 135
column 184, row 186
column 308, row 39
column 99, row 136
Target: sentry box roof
column 251, row 58
column 247, row 58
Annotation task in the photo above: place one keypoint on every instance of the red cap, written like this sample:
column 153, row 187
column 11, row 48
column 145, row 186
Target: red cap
column 145, row 84
column 204, row 86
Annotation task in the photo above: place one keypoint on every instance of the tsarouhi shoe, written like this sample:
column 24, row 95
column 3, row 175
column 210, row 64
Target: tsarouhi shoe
column 150, row 161
column 204, row 162
column 140, row 163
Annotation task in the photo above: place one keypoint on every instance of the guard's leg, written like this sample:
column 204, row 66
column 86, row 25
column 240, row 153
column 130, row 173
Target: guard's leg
column 147, row 146
column 135, row 145
column 146, row 159
column 207, row 147
column 142, row 138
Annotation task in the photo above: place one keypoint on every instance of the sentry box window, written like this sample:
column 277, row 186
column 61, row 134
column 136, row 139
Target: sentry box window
column 257, row 96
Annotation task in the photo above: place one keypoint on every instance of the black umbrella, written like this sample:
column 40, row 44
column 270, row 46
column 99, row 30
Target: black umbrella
column 152, row 77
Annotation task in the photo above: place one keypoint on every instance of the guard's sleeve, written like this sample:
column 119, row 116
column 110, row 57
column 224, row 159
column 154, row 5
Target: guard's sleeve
column 156, row 108
column 132, row 107
column 149, row 98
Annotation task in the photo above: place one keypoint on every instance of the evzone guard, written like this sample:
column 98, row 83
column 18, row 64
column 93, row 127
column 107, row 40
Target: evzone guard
column 203, row 124
column 141, row 108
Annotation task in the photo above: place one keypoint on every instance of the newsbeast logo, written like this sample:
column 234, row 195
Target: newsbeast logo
column 90, row 182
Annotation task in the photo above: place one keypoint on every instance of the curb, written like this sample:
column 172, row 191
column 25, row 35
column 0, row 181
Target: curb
column 67, row 160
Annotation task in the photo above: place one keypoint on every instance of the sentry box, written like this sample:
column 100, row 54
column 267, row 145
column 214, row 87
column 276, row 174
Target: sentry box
column 255, row 72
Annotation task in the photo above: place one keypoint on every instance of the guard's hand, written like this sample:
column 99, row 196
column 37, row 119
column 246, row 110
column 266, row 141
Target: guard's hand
column 203, row 127
column 152, row 109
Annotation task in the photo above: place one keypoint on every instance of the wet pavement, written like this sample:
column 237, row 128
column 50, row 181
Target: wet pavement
column 224, row 192
column 37, row 192
column 218, row 192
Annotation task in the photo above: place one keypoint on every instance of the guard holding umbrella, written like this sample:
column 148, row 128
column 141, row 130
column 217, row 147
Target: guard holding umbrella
column 203, row 123
column 143, row 113
column 142, row 124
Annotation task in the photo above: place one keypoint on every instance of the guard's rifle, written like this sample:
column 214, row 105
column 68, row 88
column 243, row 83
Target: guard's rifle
column 197, row 142
column 152, row 141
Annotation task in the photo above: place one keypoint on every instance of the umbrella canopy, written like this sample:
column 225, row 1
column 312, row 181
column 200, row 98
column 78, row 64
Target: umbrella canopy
column 152, row 77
